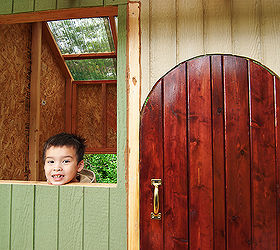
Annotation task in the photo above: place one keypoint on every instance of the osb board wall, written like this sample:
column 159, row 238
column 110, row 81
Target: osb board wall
column 111, row 116
column 89, row 114
column 52, row 116
column 196, row 27
column 14, row 100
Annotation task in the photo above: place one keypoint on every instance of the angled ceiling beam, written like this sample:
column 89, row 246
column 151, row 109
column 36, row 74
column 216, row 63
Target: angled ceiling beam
column 114, row 31
column 90, row 56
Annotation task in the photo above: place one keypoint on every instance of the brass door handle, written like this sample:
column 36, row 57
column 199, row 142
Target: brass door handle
column 156, row 215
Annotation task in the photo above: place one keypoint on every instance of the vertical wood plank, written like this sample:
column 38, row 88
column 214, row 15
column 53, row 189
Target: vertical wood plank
column 277, row 153
column 189, row 29
column 217, row 26
column 65, row 4
column 162, row 38
column 270, row 31
column 218, row 151
column 22, row 220
column 118, row 201
column 200, row 154
column 151, row 162
column 91, row 3
column 263, row 158
column 175, row 176
column 5, row 215
column 23, row 6
column 237, row 155
column 68, row 105
column 45, row 5
column 133, row 120
column 71, row 216
column 104, row 115
column 6, row 7
column 74, row 108
column 34, row 157
column 46, row 217
column 146, row 84
column 246, row 28
column 96, row 215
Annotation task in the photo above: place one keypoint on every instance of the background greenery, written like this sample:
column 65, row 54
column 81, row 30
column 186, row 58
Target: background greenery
column 103, row 165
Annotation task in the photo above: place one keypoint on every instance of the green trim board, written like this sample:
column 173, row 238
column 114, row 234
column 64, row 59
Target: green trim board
column 65, row 4
column 91, row 3
column 5, row 215
column 114, row 2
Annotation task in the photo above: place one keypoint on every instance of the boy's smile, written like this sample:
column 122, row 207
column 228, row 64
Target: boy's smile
column 61, row 165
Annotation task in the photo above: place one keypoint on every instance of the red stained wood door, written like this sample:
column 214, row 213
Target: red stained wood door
column 210, row 131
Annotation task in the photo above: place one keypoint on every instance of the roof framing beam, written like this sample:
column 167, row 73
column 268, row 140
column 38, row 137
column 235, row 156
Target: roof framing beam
column 90, row 56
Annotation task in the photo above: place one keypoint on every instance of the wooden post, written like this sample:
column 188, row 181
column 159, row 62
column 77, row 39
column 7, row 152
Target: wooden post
column 133, row 118
column 35, row 100
column 68, row 104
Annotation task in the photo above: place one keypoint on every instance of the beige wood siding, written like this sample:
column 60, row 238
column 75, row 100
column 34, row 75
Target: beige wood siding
column 179, row 30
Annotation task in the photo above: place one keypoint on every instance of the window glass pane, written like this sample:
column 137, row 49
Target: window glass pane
column 88, row 35
column 103, row 165
column 93, row 69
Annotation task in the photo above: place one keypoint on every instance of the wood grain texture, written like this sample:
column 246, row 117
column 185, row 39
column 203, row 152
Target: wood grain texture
column 35, row 99
column 96, row 215
column 263, row 158
column 151, row 167
column 71, row 218
column 162, row 38
column 5, row 215
column 277, row 154
column 6, row 7
column 217, row 26
column 46, row 217
column 189, row 29
column 200, row 154
column 45, row 5
column 218, row 152
column 175, row 187
column 52, row 103
column 112, row 116
column 246, row 28
column 237, row 148
column 23, row 6
column 15, row 66
column 22, row 217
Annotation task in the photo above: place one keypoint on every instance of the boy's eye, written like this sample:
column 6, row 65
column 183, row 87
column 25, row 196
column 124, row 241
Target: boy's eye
column 50, row 161
column 65, row 161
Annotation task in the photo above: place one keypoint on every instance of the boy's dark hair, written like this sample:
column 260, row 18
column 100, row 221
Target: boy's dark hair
column 65, row 139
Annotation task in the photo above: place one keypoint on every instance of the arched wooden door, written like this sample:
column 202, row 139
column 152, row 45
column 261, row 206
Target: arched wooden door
column 210, row 131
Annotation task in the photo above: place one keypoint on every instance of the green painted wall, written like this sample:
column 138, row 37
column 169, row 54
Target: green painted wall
column 68, row 217
column 20, row 6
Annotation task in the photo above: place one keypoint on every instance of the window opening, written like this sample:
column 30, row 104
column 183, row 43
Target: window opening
column 88, row 47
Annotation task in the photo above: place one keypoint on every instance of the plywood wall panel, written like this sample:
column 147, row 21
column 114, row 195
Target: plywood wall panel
column 14, row 98
column 46, row 217
column 89, row 114
column 270, row 31
column 85, row 3
column 71, row 208
column 22, row 217
column 111, row 116
column 64, row 4
column 52, row 110
column 217, row 26
column 6, row 7
column 23, row 6
column 246, row 28
column 96, row 214
column 162, row 37
column 189, row 29
column 45, row 5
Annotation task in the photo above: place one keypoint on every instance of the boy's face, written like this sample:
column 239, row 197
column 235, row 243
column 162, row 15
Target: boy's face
column 61, row 165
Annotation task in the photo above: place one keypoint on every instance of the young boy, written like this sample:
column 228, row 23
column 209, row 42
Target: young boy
column 63, row 158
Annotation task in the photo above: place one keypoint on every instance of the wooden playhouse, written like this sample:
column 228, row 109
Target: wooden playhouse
column 160, row 45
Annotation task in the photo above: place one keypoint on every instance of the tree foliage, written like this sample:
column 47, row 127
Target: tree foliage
column 103, row 165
